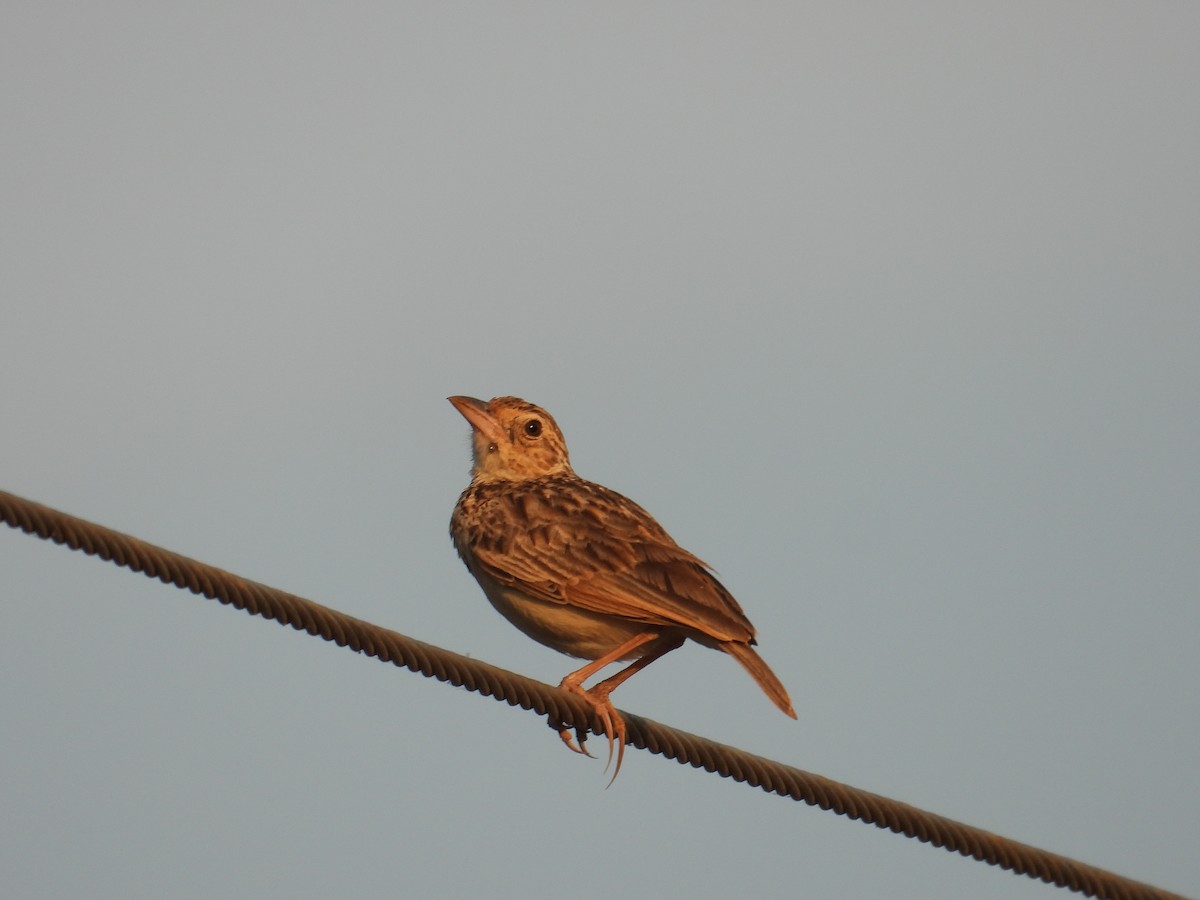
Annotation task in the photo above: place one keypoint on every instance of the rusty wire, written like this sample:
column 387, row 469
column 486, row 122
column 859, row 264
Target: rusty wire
column 560, row 707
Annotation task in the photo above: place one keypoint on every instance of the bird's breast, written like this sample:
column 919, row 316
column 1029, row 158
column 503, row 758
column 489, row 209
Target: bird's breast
column 567, row 629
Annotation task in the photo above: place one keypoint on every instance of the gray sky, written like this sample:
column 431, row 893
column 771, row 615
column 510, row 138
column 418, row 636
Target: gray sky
column 890, row 312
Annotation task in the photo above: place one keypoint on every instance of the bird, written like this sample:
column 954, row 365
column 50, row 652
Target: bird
column 582, row 569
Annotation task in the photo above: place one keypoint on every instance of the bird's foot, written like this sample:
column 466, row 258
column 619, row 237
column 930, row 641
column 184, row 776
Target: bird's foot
column 580, row 735
column 610, row 719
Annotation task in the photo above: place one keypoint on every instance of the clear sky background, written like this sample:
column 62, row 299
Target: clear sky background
column 891, row 312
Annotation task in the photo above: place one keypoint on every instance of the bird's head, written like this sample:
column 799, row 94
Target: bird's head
column 512, row 440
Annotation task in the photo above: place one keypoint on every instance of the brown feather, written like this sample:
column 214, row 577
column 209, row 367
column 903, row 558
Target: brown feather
column 567, row 540
column 760, row 672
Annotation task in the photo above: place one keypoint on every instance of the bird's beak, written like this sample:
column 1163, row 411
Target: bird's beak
column 476, row 412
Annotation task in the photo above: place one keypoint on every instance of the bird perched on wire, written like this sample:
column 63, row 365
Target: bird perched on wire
column 581, row 568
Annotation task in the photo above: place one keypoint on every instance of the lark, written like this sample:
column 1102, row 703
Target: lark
column 583, row 569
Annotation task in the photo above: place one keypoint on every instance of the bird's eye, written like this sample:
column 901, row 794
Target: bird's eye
column 533, row 427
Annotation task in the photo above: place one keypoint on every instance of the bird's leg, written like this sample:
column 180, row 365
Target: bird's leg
column 597, row 697
column 664, row 645
column 573, row 684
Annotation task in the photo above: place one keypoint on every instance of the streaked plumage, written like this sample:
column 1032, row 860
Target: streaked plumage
column 581, row 568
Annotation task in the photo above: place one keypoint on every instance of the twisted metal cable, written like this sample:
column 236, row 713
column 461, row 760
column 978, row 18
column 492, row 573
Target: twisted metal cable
column 560, row 707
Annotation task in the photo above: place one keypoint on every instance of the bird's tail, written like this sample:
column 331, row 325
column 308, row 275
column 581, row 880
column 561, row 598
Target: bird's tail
column 760, row 672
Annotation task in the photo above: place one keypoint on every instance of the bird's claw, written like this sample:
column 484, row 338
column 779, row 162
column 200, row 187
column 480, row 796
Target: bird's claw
column 580, row 735
column 610, row 721
column 614, row 727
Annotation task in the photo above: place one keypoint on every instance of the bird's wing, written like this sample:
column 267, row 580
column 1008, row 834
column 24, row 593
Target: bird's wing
column 674, row 592
column 595, row 549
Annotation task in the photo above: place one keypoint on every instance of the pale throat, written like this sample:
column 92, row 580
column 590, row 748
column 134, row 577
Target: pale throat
column 494, row 463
